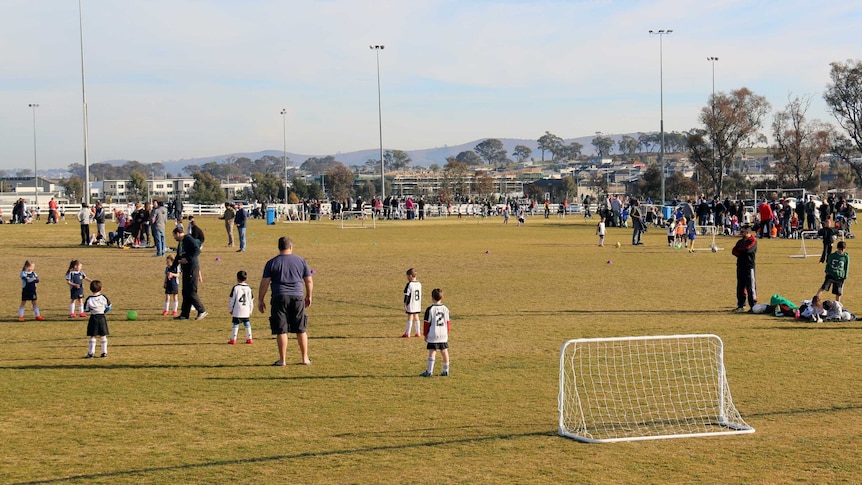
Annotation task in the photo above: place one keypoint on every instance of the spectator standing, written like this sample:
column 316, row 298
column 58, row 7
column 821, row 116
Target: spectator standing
column 240, row 220
column 188, row 251
column 288, row 275
column 228, row 216
column 745, row 251
column 84, row 217
column 99, row 217
column 637, row 223
column 159, row 217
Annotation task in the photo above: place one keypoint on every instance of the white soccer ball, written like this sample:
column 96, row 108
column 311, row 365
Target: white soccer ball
column 714, row 249
column 846, row 316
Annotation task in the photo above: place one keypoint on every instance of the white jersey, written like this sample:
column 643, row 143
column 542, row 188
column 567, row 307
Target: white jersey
column 413, row 297
column 437, row 323
column 241, row 301
column 97, row 304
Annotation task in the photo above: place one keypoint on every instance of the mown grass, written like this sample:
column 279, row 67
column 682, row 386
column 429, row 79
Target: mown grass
column 174, row 403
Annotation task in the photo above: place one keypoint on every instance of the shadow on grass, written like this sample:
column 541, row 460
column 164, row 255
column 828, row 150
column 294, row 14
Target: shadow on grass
column 102, row 365
column 814, row 326
column 790, row 412
column 276, row 458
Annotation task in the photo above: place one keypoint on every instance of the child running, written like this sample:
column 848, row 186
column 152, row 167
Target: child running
column 29, row 278
column 240, row 307
column 75, row 279
column 437, row 333
column 97, row 304
column 412, row 302
column 172, row 288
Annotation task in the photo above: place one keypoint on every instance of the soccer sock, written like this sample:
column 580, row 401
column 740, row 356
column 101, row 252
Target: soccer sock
column 104, row 345
column 167, row 305
column 430, row 365
column 234, row 331
column 91, row 348
column 35, row 311
column 409, row 326
column 446, row 367
column 20, row 311
column 247, row 330
column 72, row 307
column 176, row 305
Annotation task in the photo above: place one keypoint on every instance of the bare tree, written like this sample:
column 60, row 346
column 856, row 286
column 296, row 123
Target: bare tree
column 799, row 143
column 844, row 98
column 732, row 122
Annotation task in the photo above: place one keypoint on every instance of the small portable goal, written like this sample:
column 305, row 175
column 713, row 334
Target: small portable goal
column 358, row 220
column 803, row 252
column 643, row 388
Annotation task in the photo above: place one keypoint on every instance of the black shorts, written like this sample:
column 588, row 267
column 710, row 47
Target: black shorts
column 97, row 326
column 437, row 346
column 28, row 296
column 237, row 321
column 837, row 286
column 76, row 293
column 287, row 315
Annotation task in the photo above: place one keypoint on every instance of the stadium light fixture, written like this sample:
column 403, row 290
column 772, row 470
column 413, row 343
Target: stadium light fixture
column 377, row 48
column 661, row 33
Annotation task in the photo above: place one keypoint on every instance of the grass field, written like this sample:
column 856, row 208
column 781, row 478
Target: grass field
column 173, row 403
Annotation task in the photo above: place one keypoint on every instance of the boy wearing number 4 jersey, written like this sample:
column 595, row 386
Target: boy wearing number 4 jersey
column 412, row 303
column 240, row 307
column 437, row 333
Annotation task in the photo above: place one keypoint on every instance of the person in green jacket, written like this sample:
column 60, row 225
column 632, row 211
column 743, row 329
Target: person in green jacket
column 837, row 269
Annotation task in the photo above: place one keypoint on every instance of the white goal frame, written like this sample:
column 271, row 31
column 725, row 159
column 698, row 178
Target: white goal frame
column 644, row 388
column 366, row 219
column 803, row 251
column 707, row 231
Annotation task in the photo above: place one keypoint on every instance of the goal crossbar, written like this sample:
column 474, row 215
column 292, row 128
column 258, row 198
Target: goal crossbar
column 803, row 252
column 708, row 231
column 643, row 388
column 358, row 220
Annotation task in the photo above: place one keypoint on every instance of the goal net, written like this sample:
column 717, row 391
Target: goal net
column 357, row 220
column 640, row 388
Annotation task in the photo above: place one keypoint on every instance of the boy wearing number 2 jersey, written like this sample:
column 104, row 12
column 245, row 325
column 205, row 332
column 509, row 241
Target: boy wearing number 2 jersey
column 412, row 303
column 437, row 333
column 240, row 307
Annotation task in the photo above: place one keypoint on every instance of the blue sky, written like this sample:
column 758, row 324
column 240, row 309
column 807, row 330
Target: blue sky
column 174, row 79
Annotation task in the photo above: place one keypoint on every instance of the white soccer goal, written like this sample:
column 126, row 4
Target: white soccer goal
column 708, row 231
column 358, row 220
column 641, row 388
column 803, row 252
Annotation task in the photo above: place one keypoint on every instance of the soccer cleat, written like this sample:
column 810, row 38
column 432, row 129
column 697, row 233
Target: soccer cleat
column 231, row 342
column 20, row 319
column 165, row 313
column 278, row 363
column 739, row 310
column 72, row 315
column 445, row 373
column 82, row 315
column 176, row 313
column 425, row 374
column 105, row 354
column 417, row 335
column 89, row 356
column 249, row 341
column 406, row 335
column 201, row 316
column 38, row 317
column 181, row 318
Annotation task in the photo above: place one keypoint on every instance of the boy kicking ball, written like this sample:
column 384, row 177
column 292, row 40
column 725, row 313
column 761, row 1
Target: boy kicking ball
column 437, row 333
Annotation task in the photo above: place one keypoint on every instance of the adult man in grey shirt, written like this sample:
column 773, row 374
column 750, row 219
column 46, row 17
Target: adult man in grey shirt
column 158, row 217
column 287, row 274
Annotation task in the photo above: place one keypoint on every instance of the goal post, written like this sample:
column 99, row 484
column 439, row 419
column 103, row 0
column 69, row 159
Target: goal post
column 643, row 388
column 358, row 220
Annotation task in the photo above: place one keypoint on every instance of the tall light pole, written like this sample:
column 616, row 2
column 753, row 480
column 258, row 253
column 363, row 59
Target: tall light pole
column 284, row 149
column 33, row 106
column 661, row 33
column 712, row 60
column 86, row 197
column 377, row 49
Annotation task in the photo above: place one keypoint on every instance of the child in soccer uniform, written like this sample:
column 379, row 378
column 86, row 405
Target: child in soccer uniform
column 837, row 267
column 75, row 279
column 671, row 232
column 97, row 304
column 172, row 288
column 240, row 307
column 29, row 278
column 600, row 230
column 691, row 229
column 437, row 333
column 412, row 303
column 680, row 231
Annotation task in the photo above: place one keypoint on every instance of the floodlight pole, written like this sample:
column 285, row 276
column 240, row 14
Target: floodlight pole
column 33, row 106
column 377, row 48
column 86, row 196
column 284, row 149
column 713, row 59
column 661, row 33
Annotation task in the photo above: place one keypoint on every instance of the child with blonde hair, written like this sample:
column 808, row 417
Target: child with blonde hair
column 75, row 278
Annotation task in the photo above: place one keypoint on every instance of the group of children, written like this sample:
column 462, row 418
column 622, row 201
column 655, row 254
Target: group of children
column 436, row 322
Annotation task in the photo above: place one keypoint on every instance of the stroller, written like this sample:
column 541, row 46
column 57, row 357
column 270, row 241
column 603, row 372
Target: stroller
column 842, row 227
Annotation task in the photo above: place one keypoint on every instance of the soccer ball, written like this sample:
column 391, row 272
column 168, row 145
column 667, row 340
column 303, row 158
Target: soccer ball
column 618, row 244
column 131, row 315
column 714, row 249
column 678, row 245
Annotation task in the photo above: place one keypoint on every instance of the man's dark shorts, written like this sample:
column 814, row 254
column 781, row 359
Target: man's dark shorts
column 287, row 315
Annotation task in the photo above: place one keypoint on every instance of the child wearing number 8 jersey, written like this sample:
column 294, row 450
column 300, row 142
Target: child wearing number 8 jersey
column 240, row 307
column 412, row 303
